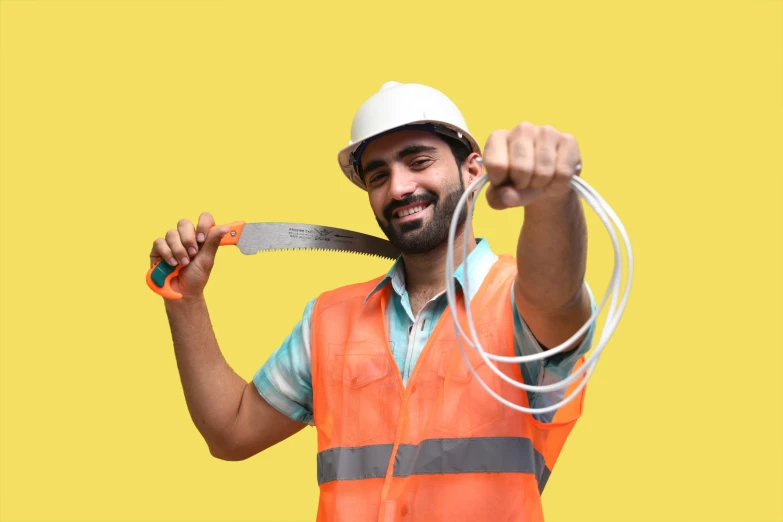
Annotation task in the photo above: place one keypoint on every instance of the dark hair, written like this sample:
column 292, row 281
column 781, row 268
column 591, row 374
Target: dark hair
column 459, row 149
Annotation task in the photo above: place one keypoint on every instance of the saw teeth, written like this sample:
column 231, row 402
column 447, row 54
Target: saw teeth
column 293, row 249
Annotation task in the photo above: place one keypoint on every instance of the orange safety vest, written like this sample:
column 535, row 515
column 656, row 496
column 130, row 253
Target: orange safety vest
column 440, row 448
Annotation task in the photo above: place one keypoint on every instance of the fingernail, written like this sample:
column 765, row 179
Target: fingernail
column 184, row 261
column 200, row 238
column 192, row 251
column 172, row 261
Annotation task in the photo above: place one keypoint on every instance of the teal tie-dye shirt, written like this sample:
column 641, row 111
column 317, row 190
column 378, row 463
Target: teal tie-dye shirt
column 285, row 380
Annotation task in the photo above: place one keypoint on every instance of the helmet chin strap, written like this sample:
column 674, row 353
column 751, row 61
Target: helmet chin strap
column 611, row 221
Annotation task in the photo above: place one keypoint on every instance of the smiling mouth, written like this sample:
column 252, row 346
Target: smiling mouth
column 410, row 212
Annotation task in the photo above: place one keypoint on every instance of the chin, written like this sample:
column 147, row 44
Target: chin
column 411, row 226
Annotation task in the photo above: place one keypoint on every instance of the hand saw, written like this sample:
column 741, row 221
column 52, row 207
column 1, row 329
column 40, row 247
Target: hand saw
column 252, row 238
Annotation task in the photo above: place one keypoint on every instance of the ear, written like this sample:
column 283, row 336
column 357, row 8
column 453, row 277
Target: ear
column 472, row 170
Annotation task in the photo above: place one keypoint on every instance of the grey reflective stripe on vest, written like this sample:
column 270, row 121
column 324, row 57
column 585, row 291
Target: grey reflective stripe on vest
column 475, row 455
column 435, row 456
column 354, row 463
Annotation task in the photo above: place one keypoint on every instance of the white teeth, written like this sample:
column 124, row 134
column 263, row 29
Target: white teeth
column 408, row 212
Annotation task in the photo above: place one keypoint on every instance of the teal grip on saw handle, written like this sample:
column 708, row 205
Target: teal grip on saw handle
column 159, row 279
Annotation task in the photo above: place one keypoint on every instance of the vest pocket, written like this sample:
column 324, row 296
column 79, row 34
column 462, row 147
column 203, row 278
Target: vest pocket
column 355, row 392
column 466, row 408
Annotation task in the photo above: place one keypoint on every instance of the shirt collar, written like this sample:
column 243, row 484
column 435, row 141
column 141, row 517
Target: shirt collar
column 480, row 261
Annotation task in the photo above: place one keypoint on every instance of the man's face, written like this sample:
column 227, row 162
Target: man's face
column 414, row 184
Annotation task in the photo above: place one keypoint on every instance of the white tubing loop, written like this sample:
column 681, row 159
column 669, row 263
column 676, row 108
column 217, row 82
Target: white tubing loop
column 609, row 218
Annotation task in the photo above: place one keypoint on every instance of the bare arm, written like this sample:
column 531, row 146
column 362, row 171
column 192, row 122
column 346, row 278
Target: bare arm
column 551, row 258
column 235, row 421
column 532, row 166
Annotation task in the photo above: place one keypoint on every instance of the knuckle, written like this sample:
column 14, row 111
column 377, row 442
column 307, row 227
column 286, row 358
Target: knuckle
column 545, row 160
column 182, row 223
column 172, row 234
column 541, row 179
column 545, row 175
column 525, row 129
column 545, row 172
column 522, row 168
column 494, row 164
column 516, row 131
column 519, row 149
column 497, row 134
column 563, row 172
column 520, row 176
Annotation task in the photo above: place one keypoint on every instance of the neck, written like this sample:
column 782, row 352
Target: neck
column 426, row 273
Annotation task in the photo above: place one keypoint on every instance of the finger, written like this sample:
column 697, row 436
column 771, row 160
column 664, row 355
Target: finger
column 568, row 159
column 547, row 142
column 496, row 157
column 188, row 236
column 206, row 256
column 205, row 221
column 495, row 197
column 177, row 248
column 161, row 250
column 521, row 154
column 500, row 198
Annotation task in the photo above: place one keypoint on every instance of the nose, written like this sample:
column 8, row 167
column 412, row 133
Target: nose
column 402, row 182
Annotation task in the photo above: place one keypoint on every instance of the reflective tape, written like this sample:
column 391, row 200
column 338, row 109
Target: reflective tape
column 435, row 457
column 354, row 463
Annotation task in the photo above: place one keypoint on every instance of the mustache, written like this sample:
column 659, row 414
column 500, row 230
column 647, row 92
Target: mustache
column 427, row 197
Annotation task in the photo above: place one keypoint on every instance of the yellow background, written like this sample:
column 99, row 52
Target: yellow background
column 121, row 117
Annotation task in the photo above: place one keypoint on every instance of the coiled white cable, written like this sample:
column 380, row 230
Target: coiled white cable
column 609, row 218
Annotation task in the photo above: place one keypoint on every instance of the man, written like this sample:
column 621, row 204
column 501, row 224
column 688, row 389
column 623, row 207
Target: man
column 404, row 430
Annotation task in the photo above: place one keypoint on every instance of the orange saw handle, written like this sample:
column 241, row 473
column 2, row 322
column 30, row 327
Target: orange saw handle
column 160, row 274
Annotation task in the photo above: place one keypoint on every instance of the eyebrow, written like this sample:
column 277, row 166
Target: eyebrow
column 402, row 154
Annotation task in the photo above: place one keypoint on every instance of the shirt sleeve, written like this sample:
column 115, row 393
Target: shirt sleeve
column 550, row 370
column 285, row 381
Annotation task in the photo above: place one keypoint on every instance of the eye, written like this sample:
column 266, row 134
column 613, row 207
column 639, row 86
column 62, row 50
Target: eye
column 376, row 177
column 421, row 163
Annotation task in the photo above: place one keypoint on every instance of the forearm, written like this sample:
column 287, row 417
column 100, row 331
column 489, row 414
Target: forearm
column 551, row 253
column 213, row 391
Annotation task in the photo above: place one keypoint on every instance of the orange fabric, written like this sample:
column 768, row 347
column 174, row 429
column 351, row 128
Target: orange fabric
column 361, row 407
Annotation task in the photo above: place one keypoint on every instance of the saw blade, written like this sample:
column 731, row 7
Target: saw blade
column 271, row 236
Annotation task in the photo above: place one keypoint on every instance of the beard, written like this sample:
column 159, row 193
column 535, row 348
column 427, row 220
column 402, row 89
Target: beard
column 416, row 236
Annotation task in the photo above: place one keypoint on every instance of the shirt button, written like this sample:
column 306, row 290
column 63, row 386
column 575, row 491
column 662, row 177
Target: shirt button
column 355, row 380
column 404, row 510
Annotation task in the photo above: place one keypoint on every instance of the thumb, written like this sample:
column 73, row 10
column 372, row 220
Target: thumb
column 208, row 250
column 508, row 197
column 494, row 198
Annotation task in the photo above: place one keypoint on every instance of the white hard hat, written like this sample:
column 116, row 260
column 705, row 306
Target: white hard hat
column 398, row 105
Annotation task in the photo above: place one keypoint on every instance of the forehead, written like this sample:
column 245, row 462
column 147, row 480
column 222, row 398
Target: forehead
column 388, row 145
